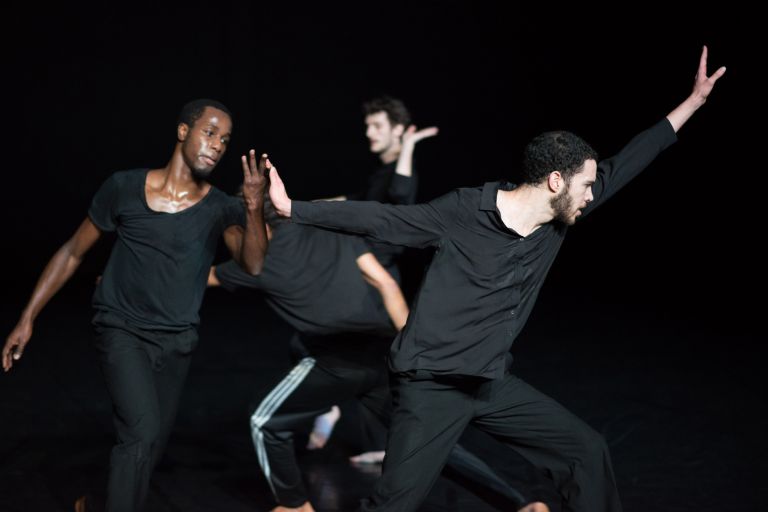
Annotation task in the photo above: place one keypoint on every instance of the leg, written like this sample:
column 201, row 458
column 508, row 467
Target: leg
column 491, row 464
column 429, row 416
column 554, row 440
column 375, row 408
column 170, row 375
column 309, row 389
column 144, row 372
column 130, row 382
column 374, row 436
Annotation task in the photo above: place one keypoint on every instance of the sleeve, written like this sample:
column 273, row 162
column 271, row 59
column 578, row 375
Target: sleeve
column 234, row 211
column 402, row 189
column 615, row 172
column 232, row 276
column 418, row 225
column 103, row 209
column 359, row 247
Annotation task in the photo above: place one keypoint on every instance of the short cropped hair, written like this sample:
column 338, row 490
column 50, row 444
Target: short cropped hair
column 193, row 110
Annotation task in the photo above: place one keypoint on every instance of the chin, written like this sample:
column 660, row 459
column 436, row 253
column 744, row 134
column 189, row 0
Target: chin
column 203, row 173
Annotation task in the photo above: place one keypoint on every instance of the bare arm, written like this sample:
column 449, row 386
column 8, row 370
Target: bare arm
column 56, row 273
column 249, row 246
column 378, row 277
column 702, row 86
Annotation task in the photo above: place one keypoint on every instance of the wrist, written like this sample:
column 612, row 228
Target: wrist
column 253, row 205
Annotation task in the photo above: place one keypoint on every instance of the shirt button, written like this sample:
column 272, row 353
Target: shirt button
column 512, row 312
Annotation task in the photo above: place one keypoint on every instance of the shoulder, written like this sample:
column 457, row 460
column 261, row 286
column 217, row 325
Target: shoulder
column 127, row 176
column 119, row 181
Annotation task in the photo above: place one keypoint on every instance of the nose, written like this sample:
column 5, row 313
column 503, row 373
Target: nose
column 369, row 132
column 590, row 197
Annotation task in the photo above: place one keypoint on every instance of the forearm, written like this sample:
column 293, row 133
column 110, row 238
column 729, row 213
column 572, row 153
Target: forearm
column 254, row 244
column 615, row 172
column 678, row 117
column 56, row 273
column 405, row 160
column 359, row 217
column 407, row 225
column 394, row 303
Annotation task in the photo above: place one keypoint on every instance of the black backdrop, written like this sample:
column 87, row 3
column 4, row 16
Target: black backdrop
column 95, row 90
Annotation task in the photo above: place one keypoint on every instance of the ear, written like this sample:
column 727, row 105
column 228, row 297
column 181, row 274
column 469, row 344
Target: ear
column 555, row 181
column 182, row 131
column 398, row 130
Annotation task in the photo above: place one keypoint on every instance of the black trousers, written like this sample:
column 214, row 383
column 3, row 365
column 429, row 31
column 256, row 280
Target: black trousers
column 357, row 369
column 144, row 372
column 431, row 413
column 351, row 367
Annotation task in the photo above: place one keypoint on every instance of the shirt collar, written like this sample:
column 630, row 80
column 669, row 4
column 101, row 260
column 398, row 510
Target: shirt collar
column 491, row 191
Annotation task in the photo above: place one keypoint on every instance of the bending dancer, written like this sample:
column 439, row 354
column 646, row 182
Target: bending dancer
column 495, row 245
column 168, row 223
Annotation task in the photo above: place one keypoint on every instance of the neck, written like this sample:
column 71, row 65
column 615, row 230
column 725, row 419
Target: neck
column 524, row 209
column 177, row 177
column 391, row 154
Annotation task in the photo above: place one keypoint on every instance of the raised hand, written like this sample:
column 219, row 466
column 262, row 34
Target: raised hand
column 412, row 136
column 702, row 87
column 704, row 84
column 254, row 179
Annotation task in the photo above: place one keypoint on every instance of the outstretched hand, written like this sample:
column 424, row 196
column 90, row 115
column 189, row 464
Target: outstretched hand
column 254, row 179
column 704, row 84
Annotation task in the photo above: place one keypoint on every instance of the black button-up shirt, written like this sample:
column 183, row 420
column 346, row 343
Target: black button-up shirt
column 484, row 278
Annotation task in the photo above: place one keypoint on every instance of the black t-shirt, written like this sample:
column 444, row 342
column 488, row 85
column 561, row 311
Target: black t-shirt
column 158, row 268
column 311, row 279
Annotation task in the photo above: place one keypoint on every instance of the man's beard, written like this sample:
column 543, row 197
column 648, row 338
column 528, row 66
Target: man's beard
column 562, row 204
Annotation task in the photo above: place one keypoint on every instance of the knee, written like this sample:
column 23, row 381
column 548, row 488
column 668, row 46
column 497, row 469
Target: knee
column 259, row 425
column 141, row 438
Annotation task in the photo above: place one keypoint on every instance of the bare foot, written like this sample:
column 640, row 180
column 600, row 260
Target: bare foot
column 323, row 427
column 370, row 458
column 536, row 506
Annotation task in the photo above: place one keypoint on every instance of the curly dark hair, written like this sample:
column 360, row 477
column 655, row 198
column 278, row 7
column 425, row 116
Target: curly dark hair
column 193, row 110
column 394, row 108
column 554, row 151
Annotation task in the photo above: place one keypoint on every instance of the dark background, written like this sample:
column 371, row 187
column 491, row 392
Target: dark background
column 658, row 296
